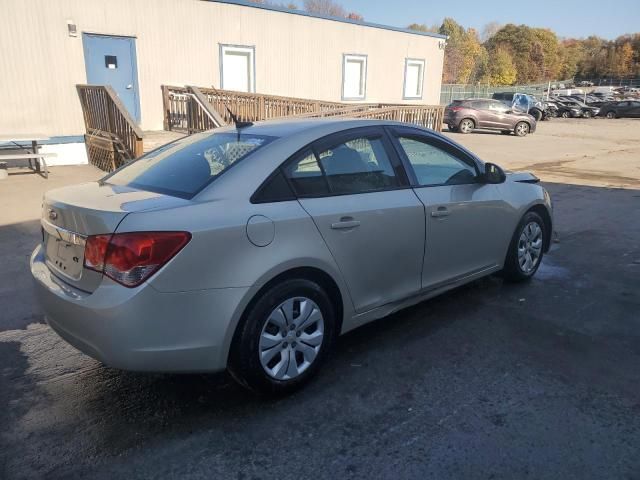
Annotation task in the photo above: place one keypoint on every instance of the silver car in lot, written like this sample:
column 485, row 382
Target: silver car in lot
column 252, row 249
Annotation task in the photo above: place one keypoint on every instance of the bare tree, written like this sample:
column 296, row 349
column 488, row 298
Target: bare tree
column 325, row 7
column 489, row 30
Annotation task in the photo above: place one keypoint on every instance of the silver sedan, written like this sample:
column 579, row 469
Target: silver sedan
column 252, row 249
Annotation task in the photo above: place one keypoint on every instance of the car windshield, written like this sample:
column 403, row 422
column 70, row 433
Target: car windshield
column 184, row 167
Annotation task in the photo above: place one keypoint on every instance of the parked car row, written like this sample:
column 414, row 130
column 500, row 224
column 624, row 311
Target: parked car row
column 518, row 113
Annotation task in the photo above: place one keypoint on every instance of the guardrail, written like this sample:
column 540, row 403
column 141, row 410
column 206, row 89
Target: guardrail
column 112, row 136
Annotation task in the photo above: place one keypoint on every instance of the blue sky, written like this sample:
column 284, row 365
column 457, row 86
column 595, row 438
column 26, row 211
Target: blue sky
column 568, row 18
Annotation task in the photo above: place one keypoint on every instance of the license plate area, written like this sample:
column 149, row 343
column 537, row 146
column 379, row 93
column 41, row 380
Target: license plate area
column 63, row 256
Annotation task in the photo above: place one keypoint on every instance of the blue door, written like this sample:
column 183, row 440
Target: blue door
column 112, row 61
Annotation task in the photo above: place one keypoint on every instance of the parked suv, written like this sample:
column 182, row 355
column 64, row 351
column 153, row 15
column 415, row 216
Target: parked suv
column 466, row 115
column 522, row 102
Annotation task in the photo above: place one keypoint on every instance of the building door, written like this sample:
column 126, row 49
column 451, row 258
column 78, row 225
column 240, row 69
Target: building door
column 111, row 61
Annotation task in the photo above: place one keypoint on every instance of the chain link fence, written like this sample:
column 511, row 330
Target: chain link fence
column 450, row 92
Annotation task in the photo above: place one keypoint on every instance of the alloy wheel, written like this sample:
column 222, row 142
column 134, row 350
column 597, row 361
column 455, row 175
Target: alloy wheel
column 530, row 247
column 466, row 126
column 291, row 338
column 522, row 129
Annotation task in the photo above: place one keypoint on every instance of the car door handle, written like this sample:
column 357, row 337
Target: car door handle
column 345, row 222
column 440, row 212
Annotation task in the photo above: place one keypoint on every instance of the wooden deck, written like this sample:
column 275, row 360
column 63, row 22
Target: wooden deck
column 156, row 138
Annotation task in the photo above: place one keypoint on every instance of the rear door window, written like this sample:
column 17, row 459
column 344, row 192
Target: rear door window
column 358, row 165
column 346, row 165
column 185, row 167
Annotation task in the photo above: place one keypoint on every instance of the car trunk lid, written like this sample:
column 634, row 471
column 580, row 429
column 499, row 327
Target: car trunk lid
column 71, row 214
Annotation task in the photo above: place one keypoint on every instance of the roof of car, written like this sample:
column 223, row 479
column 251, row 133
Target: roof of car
column 291, row 126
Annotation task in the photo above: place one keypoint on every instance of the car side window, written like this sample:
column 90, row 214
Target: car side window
column 306, row 176
column 498, row 107
column 433, row 165
column 481, row 105
column 358, row 165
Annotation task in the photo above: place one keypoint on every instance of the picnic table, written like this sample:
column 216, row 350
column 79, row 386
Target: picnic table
column 17, row 142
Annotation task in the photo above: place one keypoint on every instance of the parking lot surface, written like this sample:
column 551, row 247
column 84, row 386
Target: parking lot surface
column 491, row 380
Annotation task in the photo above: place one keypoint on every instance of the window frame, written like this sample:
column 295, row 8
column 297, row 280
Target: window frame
column 251, row 49
column 424, row 137
column 423, row 67
column 364, row 58
column 333, row 139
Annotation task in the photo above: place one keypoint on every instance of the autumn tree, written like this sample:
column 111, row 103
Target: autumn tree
column 461, row 53
column 502, row 69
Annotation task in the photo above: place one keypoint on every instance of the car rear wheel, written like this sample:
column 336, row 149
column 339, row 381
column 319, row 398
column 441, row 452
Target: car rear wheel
column 587, row 114
column 566, row 115
column 611, row 114
column 522, row 129
column 526, row 249
column 284, row 338
column 466, row 126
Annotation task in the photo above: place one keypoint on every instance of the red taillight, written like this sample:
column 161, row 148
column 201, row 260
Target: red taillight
column 94, row 252
column 131, row 258
column 456, row 109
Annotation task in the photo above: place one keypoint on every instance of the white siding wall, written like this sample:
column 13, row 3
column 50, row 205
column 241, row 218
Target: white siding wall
column 178, row 43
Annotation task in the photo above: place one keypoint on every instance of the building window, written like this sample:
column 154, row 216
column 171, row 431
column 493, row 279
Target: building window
column 413, row 78
column 237, row 68
column 354, row 77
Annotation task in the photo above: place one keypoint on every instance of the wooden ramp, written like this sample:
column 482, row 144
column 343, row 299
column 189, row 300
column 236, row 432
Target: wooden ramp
column 193, row 109
column 113, row 138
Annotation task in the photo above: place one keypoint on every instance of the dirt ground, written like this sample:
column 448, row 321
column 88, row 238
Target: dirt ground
column 596, row 152
column 491, row 380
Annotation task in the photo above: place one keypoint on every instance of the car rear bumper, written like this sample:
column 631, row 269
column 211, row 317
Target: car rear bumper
column 139, row 328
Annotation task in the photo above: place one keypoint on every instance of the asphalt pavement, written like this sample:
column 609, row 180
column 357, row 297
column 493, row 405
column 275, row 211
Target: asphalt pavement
column 492, row 380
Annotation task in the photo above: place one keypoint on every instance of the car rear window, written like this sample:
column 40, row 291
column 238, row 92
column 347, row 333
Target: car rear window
column 184, row 167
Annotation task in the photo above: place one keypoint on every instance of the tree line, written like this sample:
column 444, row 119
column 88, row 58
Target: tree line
column 510, row 54
column 518, row 54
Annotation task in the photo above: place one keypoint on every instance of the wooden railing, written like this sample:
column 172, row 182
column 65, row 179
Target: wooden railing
column 187, row 109
column 112, row 137
column 182, row 113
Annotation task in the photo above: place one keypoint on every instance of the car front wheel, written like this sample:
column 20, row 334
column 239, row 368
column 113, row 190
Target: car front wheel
column 526, row 249
column 283, row 338
column 611, row 115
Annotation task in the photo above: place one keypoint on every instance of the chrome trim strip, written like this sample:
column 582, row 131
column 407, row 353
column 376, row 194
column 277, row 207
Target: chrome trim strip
column 63, row 234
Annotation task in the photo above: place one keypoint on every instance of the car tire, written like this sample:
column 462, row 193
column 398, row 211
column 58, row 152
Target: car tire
column 254, row 361
column 587, row 114
column 537, row 114
column 611, row 114
column 466, row 125
column 521, row 129
column 527, row 239
column 566, row 115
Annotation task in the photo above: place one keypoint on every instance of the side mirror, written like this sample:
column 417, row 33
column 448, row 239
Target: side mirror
column 493, row 173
